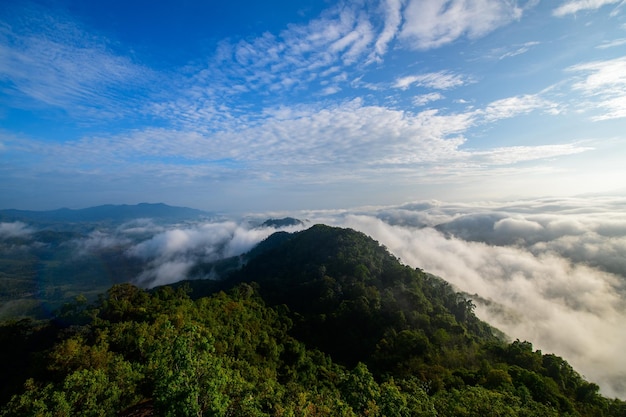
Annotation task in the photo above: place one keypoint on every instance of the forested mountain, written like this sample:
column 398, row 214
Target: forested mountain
column 317, row 323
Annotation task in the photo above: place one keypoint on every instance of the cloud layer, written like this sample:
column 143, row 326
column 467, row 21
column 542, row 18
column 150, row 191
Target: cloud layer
column 548, row 271
column 170, row 252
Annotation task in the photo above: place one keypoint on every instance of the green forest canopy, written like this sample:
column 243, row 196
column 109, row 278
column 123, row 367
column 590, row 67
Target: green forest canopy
column 317, row 323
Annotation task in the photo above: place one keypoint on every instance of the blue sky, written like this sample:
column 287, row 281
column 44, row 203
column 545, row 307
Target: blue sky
column 251, row 106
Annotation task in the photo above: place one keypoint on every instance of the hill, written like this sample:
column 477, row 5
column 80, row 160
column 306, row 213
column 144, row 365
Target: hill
column 286, row 221
column 349, row 291
column 320, row 322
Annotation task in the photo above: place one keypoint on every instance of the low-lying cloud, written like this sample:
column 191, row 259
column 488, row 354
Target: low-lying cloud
column 167, row 253
column 551, row 272
column 14, row 229
column 170, row 255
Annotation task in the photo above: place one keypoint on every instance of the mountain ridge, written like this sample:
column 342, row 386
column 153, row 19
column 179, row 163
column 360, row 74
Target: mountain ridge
column 106, row 212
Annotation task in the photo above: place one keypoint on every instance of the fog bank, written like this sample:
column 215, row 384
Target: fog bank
column 552, row 272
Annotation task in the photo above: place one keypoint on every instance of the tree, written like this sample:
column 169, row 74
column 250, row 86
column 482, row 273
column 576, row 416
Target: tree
column 189, row 379
column 360, row 391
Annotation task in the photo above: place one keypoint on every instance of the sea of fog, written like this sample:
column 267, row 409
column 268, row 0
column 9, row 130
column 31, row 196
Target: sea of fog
column 549, row 271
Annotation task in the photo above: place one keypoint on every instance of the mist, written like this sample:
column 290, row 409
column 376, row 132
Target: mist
column 14, row 229
column 549, row 271
column 170, row 254
column 552, row 272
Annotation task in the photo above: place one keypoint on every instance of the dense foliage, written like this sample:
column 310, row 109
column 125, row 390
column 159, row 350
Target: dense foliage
column 322, row 322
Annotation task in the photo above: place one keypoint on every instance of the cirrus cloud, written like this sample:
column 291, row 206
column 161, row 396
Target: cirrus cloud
column 432, row 24
column 575, row 6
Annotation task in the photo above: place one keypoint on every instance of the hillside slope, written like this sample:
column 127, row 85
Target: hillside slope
column 351, row 295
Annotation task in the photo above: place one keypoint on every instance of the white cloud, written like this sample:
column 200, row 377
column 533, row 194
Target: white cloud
column 98, row 240
column 574, row 6
column 602, row 75
column 328, row 91
column 604, row 85
column 306, row 144
column 517, row 226
column 513, row 106
column 392, row 10
column 342, row 35
column 304, row 57
column 171, row 254
column 551, row 278
column 515, row 154
column 14, row 229
column 612, row 44
column 424, row 99
column 52, row 61
column 519, row 50
column 431, row 24
column 442, row 80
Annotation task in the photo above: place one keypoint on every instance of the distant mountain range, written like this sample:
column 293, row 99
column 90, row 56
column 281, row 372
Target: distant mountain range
column 108, row 212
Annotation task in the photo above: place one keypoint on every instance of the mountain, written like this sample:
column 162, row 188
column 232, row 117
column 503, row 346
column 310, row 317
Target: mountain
column 348, row 290
column 284, row 222
column 109, row 213
column 319, row 322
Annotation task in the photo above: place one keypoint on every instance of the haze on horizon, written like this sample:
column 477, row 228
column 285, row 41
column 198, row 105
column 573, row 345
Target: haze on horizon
column 246, row 106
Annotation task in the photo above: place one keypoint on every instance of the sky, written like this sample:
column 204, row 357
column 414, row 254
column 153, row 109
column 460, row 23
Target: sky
column 250, row 106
